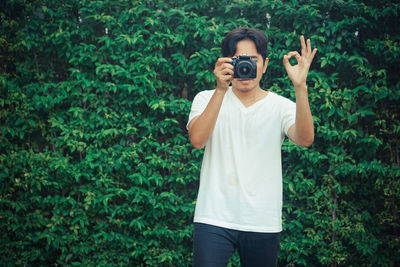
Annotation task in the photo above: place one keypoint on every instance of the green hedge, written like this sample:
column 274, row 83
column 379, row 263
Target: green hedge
column 96, row 165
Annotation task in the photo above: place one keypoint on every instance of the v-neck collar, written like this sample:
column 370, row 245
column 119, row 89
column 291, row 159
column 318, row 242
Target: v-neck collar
column 245, row 109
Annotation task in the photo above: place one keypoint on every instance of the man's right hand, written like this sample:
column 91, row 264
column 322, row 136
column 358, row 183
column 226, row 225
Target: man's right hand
column 223, row 72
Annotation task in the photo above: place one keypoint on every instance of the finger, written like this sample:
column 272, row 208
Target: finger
column 223, row 60
column 226, row 72
column 286, row 63
column 303, row 45
column 221, row 73
column 295, row 54
column 227, row 66
column 313, row 53
column 223, row 66
column 291, row 54
column 226, row 79
column 309, row 46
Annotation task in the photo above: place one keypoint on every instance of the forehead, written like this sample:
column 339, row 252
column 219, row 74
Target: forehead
column 246, row 47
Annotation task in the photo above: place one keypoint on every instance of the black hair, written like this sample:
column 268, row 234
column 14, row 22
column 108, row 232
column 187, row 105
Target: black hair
column 244, row 33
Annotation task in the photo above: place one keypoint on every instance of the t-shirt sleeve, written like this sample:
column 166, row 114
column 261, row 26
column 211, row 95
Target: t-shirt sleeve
column 288, row 114
column 199, row 104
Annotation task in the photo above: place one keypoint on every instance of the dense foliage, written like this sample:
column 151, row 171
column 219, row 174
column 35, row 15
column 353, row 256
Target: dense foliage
column 96, row 167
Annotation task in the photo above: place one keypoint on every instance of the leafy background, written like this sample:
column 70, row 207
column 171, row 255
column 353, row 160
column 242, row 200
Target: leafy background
column 96, row 165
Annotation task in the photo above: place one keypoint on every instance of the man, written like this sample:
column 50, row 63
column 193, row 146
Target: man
column 239, row 204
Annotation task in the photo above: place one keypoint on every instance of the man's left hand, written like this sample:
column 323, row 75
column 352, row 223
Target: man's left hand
column 298, row 73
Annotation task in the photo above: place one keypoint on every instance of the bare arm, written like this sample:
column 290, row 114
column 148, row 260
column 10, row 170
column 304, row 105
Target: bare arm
column 202, row 126
column 302, row 132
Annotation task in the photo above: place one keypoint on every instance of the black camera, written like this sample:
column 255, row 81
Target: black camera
column 244, row 67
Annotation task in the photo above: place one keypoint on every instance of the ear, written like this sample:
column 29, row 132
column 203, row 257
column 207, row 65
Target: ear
column 265, row 65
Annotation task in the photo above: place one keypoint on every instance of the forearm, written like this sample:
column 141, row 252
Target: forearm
column 304, row 125
column 201, row 127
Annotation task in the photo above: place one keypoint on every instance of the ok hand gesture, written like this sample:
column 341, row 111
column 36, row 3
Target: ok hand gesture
column 298, row 73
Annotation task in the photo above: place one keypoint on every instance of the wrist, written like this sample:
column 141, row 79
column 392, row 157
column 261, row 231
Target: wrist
column 301, row 87
column 221, row 89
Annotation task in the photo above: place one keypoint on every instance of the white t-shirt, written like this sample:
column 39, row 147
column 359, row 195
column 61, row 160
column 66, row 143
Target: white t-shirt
column 241, row 173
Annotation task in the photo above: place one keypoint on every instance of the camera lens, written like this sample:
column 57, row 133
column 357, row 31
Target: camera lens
column 244, row 69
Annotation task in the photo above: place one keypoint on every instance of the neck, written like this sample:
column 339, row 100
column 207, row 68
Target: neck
column 244, row 94
column 249, row 97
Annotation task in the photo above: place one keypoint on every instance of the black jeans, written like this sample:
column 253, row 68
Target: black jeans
column 213, row 246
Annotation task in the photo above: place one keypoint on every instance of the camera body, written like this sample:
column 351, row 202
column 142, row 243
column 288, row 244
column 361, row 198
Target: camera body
column 244, row 67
